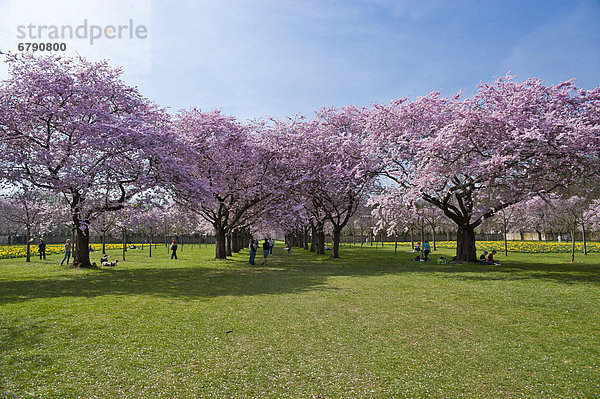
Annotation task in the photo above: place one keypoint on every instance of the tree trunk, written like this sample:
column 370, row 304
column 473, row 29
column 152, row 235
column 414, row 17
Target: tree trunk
column 150, row 244
column 573, row 243
column 505, row 243
column 433, row 237
column 313, row 240
column 584, row 239
column 103, row 242
column 412, row 238
column 28, row 244
column 124, row 233
column 74, row 239
column 465, row 244
column 81, row 254
column 305, row 239
column 220, row 250
column 395, row 243
column 80, row 251
column 335, row 248
column 320, row 241
column 235, row 242
column 228, row 244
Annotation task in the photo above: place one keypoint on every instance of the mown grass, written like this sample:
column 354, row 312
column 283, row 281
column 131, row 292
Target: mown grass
column 371, row 324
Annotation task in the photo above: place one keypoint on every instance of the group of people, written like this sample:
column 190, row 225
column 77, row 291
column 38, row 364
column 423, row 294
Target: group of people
column 105, row 262
column 68, row 249
column 560, row 238
column 488, row 258
column 426, row 249
column 267, row 248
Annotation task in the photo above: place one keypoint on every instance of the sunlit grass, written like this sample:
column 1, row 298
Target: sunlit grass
column 371, row 324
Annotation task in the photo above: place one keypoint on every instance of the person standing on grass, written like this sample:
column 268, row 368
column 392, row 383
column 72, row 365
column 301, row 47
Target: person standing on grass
column 67, row 252
column 426, row 250
column 42, row 248
column 271, row 245
column 253, row 247
column 266, row 249
column 174, row 248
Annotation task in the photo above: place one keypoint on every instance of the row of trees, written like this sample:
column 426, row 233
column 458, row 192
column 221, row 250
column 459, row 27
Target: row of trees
column 73, row 128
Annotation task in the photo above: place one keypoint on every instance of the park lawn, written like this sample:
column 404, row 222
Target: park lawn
column 371, row 324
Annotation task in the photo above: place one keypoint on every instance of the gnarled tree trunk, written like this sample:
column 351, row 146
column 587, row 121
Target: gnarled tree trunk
column 81, row 253
column 320, row 241
column 220, row 250
column 335, row 248
column 465, row 244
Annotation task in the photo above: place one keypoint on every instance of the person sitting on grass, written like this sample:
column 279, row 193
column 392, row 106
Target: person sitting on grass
column 418, row 247
column 104, row 261
column 483, row 257
column 417, row 258
column 491, row 260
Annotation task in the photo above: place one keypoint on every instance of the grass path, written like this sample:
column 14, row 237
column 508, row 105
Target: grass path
column 372, row 324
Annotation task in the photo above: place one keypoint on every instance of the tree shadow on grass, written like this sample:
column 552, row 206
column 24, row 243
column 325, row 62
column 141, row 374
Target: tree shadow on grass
column 368, row 263
column 558, row 273
column 302, row 273
column 184, row 283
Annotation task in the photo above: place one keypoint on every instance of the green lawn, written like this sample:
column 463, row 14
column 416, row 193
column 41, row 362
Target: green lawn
column 371, row 324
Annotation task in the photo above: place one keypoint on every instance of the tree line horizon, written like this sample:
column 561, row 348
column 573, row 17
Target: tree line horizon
column 71, row 128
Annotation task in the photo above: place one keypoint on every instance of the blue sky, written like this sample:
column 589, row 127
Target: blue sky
column 275, row 58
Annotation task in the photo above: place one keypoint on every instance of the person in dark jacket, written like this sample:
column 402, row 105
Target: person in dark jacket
column 253, row 247
column 266, row 249
column 42, row 248
column 174, row 249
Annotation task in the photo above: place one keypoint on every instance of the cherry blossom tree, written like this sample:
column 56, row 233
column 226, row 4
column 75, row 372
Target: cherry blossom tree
column 574, row 212
column 29, row 211
column 225, row 172
column 148, row 219
column 331, row 168
column 103, row 224
column 506, row 218
column 73, row 127
column 474, row 157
